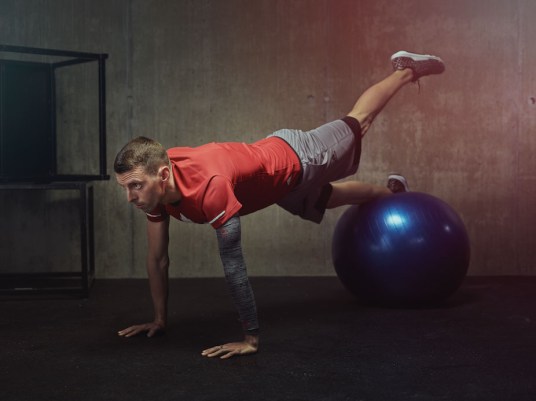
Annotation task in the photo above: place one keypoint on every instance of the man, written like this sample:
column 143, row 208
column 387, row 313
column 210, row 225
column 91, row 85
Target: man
column 219, row 182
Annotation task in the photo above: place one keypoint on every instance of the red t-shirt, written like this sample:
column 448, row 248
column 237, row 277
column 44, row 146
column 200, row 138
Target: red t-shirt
column 218, row 180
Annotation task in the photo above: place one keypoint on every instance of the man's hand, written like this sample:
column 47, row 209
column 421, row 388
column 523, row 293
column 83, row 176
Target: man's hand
column 151, row 329
column 248, row 346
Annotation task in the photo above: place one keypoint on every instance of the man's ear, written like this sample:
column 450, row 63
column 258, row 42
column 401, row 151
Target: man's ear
column 164, row 173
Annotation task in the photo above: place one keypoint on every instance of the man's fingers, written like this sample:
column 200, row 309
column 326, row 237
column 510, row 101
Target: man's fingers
column 228, row 350
column 214, row 351
column 230, row 354
column 131, row 331
column 125, row 332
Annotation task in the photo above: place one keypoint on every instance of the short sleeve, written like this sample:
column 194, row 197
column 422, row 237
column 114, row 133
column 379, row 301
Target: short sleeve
column 219, row 202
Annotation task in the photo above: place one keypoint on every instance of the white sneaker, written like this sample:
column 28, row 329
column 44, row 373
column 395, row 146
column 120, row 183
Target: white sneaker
column 421, row 64
column 397, row 183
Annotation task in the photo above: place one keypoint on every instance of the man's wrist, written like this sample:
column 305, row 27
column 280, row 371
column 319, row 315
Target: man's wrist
column 252, row 339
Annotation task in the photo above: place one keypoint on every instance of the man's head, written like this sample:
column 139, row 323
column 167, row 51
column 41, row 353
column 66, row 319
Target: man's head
column 141, row 152
column 142, row 167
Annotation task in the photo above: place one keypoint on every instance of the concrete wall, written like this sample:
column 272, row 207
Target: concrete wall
column 190, row 72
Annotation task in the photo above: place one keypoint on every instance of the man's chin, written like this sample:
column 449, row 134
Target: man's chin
column 143, row 208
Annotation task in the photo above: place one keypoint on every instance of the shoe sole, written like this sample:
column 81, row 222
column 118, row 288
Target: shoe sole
column 399, row 178
column 415, row 56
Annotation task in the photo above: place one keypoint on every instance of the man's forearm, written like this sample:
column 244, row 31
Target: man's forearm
column 158, row 281
column 229, row 241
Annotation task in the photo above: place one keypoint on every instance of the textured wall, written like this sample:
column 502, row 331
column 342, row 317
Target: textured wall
column 190, row 72
column 33, row 235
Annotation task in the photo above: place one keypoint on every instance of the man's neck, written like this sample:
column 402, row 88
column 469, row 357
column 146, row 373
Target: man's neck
column 173, row 194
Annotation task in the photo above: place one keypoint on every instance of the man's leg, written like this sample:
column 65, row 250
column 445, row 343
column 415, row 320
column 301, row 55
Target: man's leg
column 367, row 107
column 374, row 99
column 408, row 67
column 354, row 193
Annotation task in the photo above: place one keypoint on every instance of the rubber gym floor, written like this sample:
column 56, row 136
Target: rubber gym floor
column 317, row 343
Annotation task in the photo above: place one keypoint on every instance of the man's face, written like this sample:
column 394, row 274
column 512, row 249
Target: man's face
column 143, row 190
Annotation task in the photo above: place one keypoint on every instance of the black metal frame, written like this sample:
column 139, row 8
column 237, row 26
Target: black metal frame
column 78, row 58
column 59, row 282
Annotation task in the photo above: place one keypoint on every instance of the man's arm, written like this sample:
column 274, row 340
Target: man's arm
column 157, row 270
column 229, row 241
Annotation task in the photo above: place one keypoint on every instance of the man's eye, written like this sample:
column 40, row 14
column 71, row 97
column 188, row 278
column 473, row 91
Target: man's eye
column 136, row 186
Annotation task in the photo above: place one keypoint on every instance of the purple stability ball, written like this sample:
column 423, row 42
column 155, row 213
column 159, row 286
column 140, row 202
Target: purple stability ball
column 409, row 249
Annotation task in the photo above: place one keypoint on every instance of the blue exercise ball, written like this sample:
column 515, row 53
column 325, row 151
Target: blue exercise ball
column 408, row 249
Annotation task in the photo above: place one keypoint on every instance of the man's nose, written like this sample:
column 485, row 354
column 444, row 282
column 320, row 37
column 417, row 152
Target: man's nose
column 130, row 196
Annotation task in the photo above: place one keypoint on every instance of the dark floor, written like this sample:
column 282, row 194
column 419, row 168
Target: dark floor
column 317, row 344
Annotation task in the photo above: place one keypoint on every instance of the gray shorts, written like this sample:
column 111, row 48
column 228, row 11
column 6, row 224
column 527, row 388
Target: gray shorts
column 328, row 153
